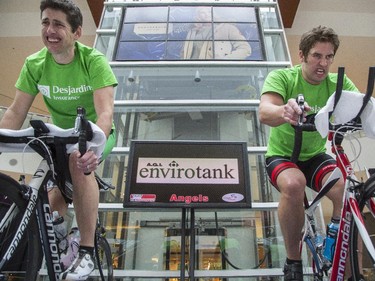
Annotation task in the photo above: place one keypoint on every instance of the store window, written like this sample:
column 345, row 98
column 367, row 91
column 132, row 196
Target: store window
column 190, row 33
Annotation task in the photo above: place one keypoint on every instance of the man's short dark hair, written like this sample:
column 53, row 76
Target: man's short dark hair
column 318, row 34
column 68, row 7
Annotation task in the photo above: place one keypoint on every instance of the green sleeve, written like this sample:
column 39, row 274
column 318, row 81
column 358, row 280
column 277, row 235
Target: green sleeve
column 101, row 73
column 277, row 82
column 27, row 82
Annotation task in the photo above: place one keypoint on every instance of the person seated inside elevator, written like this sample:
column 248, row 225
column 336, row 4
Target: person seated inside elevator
column 214, row 41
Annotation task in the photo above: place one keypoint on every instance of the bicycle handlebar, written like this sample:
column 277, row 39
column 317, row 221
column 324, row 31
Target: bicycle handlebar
column 85, row 131
column 298, row 129
column 301, row 104
column 91, row 137
column 309, row 126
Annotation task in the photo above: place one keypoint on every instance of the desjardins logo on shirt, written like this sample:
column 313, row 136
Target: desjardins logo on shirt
column 63, row 93
column 44, row 90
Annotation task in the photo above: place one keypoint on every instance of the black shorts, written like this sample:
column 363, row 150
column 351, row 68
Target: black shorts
column 314, row 169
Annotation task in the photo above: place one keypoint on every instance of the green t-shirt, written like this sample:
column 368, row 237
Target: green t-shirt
column 65, row 87
column 289, row 83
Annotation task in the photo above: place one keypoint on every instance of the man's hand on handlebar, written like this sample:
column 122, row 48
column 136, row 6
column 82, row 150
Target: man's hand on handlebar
column 293, row 111
column 87, row 162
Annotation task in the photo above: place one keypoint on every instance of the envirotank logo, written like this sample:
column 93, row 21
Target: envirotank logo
column 187, row 170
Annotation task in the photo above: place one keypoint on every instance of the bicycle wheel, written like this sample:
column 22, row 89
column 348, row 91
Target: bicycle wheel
column 27, row 257
column 103, row 256
column 360, row 259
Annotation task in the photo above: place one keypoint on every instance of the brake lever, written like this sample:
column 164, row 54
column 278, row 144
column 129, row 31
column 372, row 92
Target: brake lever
column 301, row 103
column 81, row 126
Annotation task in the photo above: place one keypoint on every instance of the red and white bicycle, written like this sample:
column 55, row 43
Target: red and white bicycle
column 354, row 239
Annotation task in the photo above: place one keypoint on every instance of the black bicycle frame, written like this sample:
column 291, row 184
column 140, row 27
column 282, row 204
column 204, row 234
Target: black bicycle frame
column 38, row 204
column 46, row 229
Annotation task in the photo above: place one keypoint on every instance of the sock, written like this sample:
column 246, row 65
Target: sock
column 335, row 220
column 289, row 261
column 90, row 250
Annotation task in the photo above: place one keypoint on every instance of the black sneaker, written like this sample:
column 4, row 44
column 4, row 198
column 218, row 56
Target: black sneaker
column 293, row 272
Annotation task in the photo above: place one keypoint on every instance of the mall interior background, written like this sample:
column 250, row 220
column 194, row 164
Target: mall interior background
column 164, row 101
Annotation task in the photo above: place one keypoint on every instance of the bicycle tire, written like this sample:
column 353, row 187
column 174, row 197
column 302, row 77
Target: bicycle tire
column 103, row 257
column 356, row 246
column 27, row 258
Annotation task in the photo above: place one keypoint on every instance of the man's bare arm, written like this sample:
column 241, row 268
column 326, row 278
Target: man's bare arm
column 103, row 99
column 271, row 109
column 16, row 113
column 273, row 112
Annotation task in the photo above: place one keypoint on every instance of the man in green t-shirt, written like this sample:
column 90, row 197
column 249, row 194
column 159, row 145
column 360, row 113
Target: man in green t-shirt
column 279, row 109
column 69, row 74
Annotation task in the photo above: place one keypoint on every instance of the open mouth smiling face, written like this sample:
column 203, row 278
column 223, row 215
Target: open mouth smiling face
column 57, row 34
